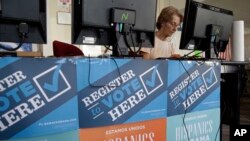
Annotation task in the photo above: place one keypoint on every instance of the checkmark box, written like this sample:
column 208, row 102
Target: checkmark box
column 53, row 87
column 52, row 83
column 151, row 80
column 209, row 78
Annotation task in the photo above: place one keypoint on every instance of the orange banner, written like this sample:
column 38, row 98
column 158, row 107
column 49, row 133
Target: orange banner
column 151, row 130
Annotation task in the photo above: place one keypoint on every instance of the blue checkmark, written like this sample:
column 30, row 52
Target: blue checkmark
column 210, row 78
column 151, row 82
column 53, row 87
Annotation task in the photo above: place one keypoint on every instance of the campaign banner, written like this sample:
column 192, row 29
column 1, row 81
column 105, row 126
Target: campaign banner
column 117, row 91
column 192, row 86
column 64, row 136
column 195, row 126
column 37, row 97
column 151, row 130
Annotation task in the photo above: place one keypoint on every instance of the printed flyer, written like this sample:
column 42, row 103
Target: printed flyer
column 196, row 126
column 117, row 91
column 36, row 97
column 193, row 86
column 151, row 130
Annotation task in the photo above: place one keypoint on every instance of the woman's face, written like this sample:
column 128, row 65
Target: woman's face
column 169, row 28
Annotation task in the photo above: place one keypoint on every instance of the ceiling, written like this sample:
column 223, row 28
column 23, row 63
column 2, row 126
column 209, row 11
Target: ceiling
column 240, row 8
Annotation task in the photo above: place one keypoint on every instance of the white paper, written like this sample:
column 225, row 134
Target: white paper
column 238, row 47
column 63, row 18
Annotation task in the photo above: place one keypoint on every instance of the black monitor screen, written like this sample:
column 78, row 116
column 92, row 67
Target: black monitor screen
column 205, row 25
column 115, row 23
column 19, row 17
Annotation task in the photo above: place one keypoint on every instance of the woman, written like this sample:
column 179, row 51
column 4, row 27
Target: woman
column 167, row 23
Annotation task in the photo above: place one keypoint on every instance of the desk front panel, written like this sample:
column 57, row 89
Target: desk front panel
column 51, row 97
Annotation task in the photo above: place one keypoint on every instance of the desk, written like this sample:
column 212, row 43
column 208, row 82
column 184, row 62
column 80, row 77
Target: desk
column 231, row 90
column 129, row 94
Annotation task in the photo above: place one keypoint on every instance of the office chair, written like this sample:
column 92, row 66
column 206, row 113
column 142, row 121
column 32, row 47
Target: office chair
column 62, row 49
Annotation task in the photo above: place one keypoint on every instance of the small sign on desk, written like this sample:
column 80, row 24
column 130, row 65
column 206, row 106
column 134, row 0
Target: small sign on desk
column 64, row 18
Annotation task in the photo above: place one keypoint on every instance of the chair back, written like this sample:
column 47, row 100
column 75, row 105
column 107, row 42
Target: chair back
column 62, row 49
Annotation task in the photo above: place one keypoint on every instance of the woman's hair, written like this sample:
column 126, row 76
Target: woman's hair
column 166, row 15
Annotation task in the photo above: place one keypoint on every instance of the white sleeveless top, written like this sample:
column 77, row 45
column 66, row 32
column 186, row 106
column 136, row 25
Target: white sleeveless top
column 161, row 49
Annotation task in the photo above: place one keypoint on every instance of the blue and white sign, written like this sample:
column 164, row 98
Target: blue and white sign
column 120, row 91
column 193, row 86
column 36, row 96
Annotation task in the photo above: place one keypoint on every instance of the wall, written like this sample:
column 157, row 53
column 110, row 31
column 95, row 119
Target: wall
column 55, row 31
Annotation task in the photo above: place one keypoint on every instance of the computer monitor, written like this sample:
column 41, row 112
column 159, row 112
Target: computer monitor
column 23, row 21
column 122, row 24
column 205, row 28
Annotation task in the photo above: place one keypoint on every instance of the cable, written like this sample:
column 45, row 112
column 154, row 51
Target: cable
column 220, row 126
column 130, row 33
column 105, row 85
column 186, row 55
column 222, row 114
column 116, row 46
column 16, row 48
column 126, row 42
column 107, row 48
column 139, row 44
column 23, row 30
column 213, row 44
column 131, row 37
column 185, row 112
column 197, row 54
